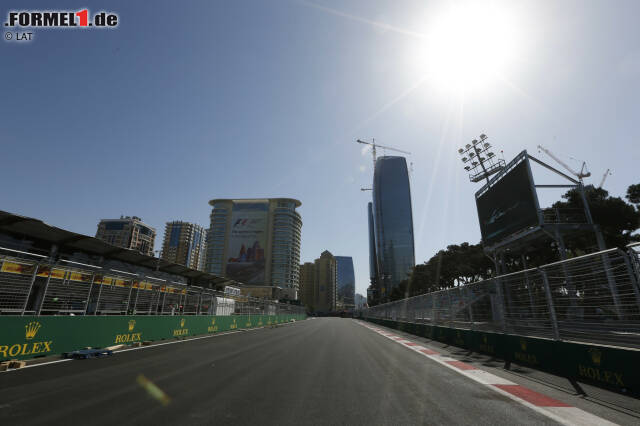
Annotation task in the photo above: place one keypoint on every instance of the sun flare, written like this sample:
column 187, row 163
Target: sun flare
column 469, row 47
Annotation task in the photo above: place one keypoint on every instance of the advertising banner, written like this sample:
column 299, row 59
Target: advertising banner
column 17, row 268
column 511, row 205
column 28, row 336
column 247, row 242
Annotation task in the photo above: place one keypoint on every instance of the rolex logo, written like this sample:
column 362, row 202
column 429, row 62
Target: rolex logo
column 31, row 329
column 523, row 345
column 132, row 324
column 182, row 321
column 596, row 355
column 213, row 321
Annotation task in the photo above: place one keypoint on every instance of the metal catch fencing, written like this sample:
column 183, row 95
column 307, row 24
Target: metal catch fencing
column 592, row 298
column 39, row 288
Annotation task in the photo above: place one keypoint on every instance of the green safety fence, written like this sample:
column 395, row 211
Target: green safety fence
column 608, row 367
column 24, row 337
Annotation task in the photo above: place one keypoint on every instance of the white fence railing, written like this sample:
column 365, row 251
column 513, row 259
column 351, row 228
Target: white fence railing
column 592, row 298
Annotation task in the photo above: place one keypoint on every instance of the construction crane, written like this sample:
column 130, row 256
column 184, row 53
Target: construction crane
column 604, row 177
column 374, row 145
column 583, row 173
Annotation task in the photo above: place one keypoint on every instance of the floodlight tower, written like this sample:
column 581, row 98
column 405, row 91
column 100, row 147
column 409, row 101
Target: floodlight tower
column 479, row 160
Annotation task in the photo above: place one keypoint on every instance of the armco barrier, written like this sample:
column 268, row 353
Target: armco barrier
column 608, row 367
column 24, row 337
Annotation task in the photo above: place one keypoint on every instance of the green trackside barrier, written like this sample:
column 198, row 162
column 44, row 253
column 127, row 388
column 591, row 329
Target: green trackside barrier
column 489, row 344
column 612, row 368
column 24, row 337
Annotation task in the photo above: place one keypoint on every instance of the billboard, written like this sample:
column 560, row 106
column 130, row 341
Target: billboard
column 509, row 206
column 247, row 242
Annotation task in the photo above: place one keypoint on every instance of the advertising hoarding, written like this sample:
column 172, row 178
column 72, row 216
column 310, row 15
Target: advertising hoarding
column 247, row 242
column 509, row 206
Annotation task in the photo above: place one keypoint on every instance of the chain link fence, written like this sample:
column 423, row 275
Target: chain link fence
column 592, row 298
column 39, row 288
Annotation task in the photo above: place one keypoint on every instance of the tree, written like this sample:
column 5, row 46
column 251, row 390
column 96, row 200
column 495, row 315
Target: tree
column 633, row 193
column 616, row 218
column 456, row 265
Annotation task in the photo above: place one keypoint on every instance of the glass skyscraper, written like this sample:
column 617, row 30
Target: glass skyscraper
column 346, row 281
column 392, row 222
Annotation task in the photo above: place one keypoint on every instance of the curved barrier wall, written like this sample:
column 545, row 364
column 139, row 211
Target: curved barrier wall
column 608, row 367
column 23, row 337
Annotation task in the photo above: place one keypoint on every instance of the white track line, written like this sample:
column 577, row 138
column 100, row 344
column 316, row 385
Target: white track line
column 564, row 415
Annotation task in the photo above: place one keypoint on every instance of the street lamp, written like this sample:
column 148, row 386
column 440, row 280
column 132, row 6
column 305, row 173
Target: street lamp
column 479, row 161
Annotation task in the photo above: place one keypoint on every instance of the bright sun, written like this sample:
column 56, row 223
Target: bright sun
column 468, row 47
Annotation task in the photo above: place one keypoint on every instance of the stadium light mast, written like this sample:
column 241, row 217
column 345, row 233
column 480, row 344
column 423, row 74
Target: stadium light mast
column 480, row 162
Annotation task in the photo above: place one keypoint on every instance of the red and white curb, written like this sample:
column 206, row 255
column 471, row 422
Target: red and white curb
column 550, row 407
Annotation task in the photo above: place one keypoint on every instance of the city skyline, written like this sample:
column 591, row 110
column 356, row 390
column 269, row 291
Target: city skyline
column 231, row 114
column 374, row 212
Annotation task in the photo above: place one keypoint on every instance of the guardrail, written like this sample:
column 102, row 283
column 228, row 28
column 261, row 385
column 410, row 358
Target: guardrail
column 593, row 298
column 30, row 287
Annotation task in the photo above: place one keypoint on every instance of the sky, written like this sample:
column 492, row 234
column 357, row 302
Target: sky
column 186, row 102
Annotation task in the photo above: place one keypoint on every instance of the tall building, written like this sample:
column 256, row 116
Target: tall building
column 393, row 223
column 127, row 232
column 360, row 301
column 307, row 285
column 346, row 282
column 373, row 259
column 318, row 283
column 325, row 282
column 184, row 243
column 256, row 242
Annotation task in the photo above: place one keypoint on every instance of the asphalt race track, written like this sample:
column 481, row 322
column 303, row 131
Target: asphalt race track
column 314, row 372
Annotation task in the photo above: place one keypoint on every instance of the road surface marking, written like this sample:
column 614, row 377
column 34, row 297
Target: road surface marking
column 532, row 397
column 556, row 410
column 462, row 365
